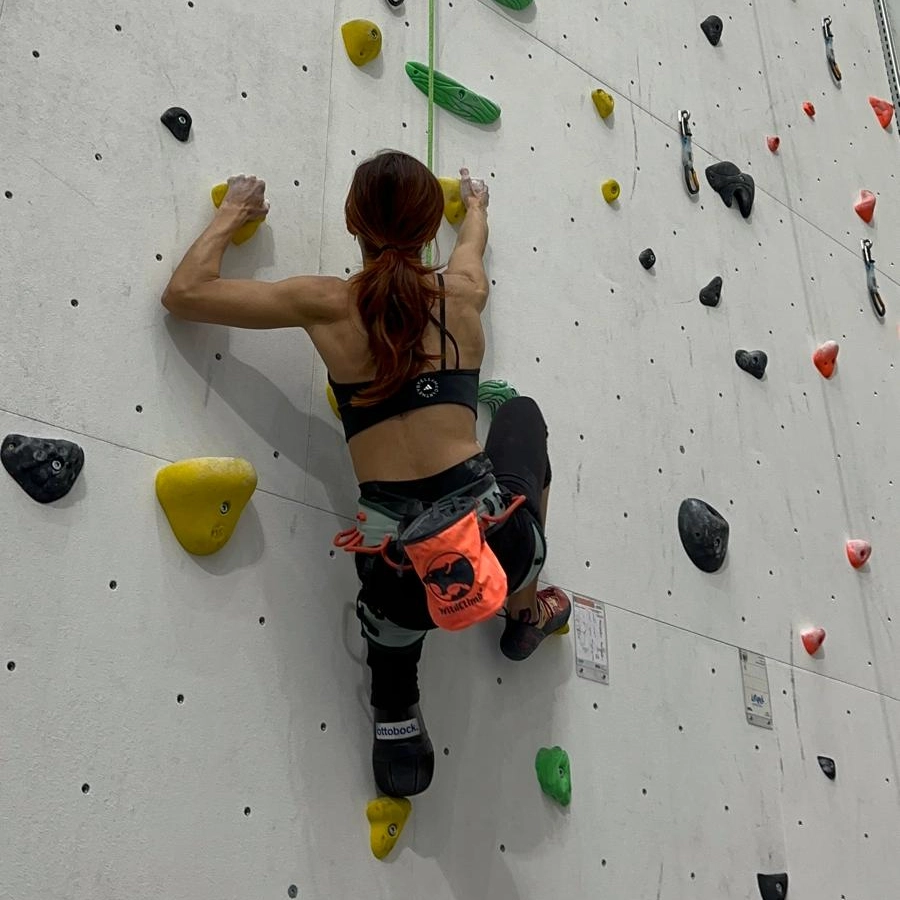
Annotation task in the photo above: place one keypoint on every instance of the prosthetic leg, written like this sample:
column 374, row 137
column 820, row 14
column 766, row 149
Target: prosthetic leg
column 402, row 754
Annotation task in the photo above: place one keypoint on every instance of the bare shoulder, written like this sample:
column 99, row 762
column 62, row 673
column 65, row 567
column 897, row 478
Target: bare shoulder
column 326, row 297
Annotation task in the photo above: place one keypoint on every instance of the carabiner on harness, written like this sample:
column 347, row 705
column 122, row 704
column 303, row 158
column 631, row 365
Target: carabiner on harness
column 829, row 48
column 691, row 181
column 871, row 283
column 352, row 539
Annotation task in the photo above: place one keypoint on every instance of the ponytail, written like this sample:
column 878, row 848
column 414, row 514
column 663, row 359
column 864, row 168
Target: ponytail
column 394, row 296
column 394, row 206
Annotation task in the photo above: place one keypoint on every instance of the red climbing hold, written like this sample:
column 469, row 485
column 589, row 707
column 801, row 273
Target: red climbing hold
column 809, row 109
column 825, row 356
column 865, row 205
column 773, row 142
column 883, row 110
column 858, row 552
column 812, row 639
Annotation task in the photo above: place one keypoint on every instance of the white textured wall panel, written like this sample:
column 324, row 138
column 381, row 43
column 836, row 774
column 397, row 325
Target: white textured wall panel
column 216, row 708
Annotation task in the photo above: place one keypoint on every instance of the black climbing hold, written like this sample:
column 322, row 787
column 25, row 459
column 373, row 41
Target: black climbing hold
column 828, row 767
column 773, row 887
column 730, row 183
column 647, row 258
column 178, row 121
column 712, row 293
column 45, row 468
column 712, row 28
column 395, row 3
column 752, row 361
column 704, row 534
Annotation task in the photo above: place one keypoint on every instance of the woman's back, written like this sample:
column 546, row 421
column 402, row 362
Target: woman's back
column 426, row 440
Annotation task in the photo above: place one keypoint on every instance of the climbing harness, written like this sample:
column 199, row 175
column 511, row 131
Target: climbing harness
column 829, row 48
column 445, row 544
column 691, row 181
column 871, row 283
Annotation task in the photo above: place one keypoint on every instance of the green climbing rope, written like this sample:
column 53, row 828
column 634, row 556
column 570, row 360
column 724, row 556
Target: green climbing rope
column 428, row 249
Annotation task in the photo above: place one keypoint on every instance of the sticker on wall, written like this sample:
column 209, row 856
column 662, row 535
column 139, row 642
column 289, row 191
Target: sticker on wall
column 591, row 652
column 756, row 689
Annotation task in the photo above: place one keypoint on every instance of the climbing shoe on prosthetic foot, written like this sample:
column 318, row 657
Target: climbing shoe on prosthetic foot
column 523, row 633
column 402, row 755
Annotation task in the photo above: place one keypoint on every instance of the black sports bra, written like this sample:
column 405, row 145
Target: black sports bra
column 426, row 389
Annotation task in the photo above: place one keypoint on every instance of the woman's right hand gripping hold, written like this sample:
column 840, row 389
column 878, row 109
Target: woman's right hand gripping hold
column 474, row 191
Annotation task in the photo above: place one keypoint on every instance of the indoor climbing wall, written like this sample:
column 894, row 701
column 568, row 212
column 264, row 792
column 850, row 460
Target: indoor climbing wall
column 176, row 725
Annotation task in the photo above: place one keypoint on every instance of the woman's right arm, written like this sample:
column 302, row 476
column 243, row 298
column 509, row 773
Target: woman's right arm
column 467, row 258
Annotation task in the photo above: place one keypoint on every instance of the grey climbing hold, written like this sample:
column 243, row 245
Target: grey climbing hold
column 178, row 121
column 730, row 183
column 647, row 258
column 704, row 534
column 712, row 293
column 826, row 763
column 712, row 28
column 45, row 468
column 773, row 887
column 752, row 361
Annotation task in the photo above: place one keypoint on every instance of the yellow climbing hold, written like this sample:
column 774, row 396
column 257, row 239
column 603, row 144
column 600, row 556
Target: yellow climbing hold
column 454, row 208
column 362, row 40
column 387, row 816
column 603, row 101
column 245, row 232
column 332, row 401
column 610, row 190
column 203, row 499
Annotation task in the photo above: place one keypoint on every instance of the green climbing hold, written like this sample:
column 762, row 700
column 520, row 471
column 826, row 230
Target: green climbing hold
column 515, row 4
column 554, row 774
column 453, row 97
column 493, row 394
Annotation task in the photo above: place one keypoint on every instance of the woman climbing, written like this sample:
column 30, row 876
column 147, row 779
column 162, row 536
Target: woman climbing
column 448, row 534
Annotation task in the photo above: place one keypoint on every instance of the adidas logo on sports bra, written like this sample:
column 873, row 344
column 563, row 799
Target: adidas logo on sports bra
column 427, row 387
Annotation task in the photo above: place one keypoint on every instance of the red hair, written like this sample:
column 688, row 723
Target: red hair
column 395, row 206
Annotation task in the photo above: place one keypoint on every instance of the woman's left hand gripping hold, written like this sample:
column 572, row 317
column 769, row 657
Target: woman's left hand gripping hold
column 245, row 200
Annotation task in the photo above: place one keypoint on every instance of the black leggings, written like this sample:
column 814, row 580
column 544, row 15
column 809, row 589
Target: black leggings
column 396, row 611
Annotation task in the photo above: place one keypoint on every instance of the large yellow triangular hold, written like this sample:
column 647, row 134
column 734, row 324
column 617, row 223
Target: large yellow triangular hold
column 362, row 40
column 454, row 208
column 245, row 232
column 332, row 401
column 387, row 816
column 203, row 499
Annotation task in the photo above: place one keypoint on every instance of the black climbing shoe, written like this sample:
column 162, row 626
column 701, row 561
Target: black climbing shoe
column 402, row 755
column 521, row 636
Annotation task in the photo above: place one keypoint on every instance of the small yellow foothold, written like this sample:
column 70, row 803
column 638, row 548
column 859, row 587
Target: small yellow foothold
column 563, row 630
column 362, row 40
column 387, row 816
column 454, row 208
column 332, row 401
column 203, row 499
column 603, row 101
column 245, row 232
column 610, row 190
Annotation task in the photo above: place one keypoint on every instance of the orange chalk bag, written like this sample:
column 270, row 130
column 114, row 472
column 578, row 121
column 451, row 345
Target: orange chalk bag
column 446, row 545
